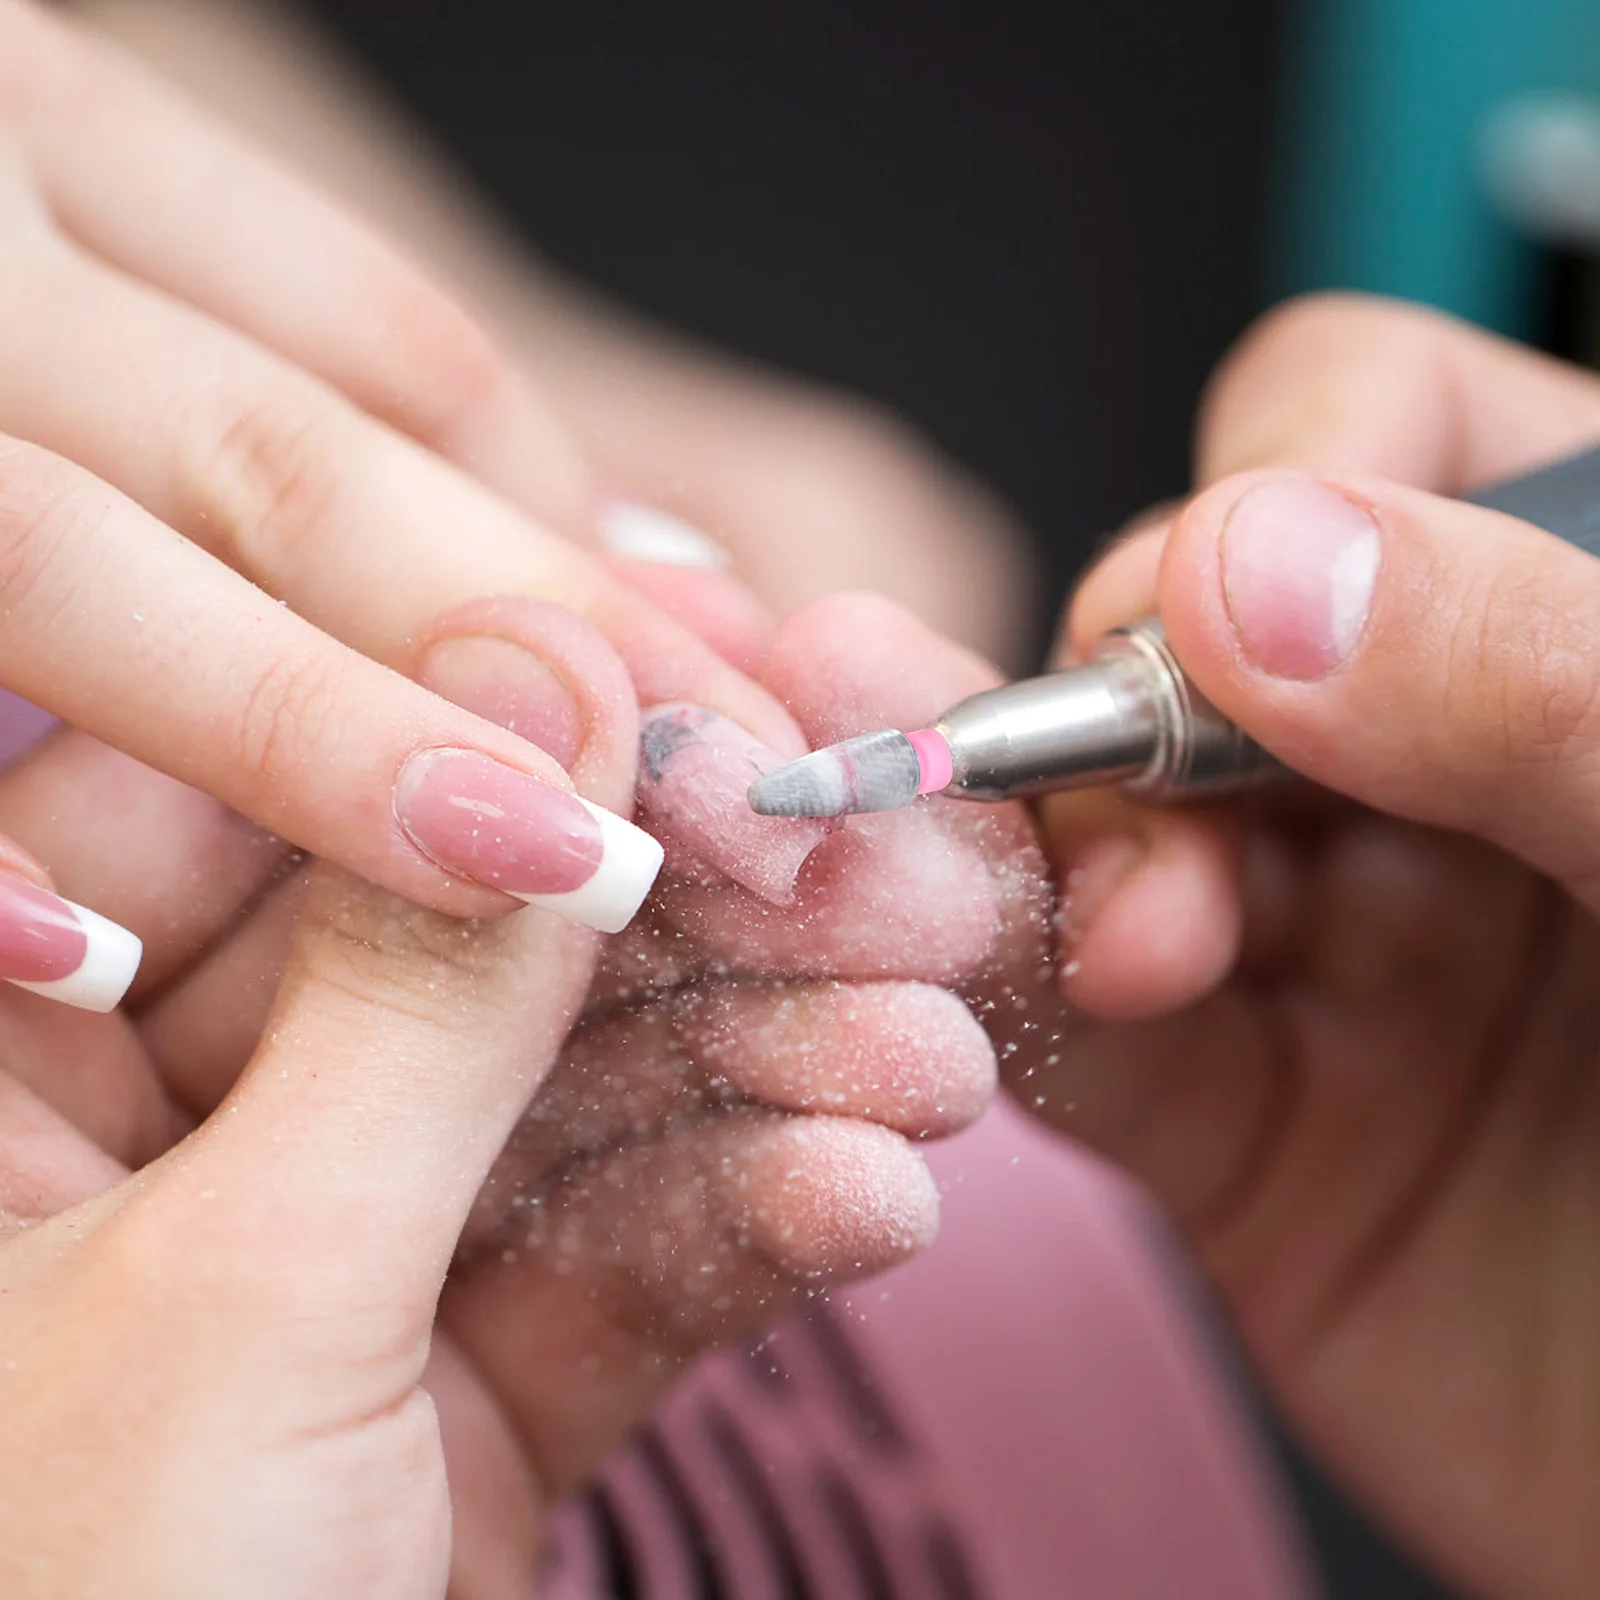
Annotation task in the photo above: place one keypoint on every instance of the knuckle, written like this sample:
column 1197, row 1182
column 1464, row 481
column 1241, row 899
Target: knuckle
column 273, row 480
column 389, row 955
column 295, row 705
column 1530, row 662
column 49, row 523
column 449, row 380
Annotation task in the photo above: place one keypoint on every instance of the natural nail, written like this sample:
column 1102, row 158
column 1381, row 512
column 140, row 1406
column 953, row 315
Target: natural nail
column 489, row 822
column 1299, row 565
column 503, row 683
column 62, row 950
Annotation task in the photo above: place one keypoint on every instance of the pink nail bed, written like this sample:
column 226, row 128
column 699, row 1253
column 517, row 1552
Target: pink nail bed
column 477, row 817
column 63, row 951
column 694, row 784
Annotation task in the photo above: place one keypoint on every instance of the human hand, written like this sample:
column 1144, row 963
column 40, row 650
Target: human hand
column 1353, row 1047
column 218, row 390
column 725, row 1132
column 809, row 492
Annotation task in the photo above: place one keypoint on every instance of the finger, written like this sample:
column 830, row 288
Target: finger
column 94, row 1072
column 1348, row 383
column 1426, row 657
column 907, row 1056
column 164, row 860
column 169, row 196
column 645, row 1255
column 1119, row 588
column 281, row 478
column 811, row 494
column 495, row 1501
column 201, row 1031
column 709, row 604
column 511, row 653
column 47, row 1164
column 91, row 580
column 401, row 1052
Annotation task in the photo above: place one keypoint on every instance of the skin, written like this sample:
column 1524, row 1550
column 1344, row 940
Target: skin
column 757, row 1077
column 1346, row 1040
column 322, row 1098
column 811, row 491
column 1348, row 1037
column 185, row 415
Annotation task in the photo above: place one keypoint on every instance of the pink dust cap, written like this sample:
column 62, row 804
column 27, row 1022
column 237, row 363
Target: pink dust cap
column 933, row 753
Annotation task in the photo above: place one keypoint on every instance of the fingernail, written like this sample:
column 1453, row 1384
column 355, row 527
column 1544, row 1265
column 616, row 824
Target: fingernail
column 1099, row 871
column 64, row 951
column 505, row 684
column 695, row 773
column 477, row 817
column 1299, row 563
column 641, row 533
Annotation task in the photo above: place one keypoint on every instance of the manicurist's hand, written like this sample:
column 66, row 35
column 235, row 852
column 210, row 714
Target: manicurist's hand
column 228, row 514
column 1348, row 1034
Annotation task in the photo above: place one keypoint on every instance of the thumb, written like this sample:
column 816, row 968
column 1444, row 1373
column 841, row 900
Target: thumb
column 402, row 1050
column 1429, row 658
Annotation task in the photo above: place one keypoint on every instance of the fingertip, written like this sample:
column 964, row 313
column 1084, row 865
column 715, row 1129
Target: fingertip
column 1164, row 933
column 1120, row 587
column 828, row 1197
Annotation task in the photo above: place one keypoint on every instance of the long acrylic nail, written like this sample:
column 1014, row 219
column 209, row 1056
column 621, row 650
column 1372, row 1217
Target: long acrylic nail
column 641, row 533
column 1299, row 566
column 694, row 781
column 477, row 817
column 62, row 950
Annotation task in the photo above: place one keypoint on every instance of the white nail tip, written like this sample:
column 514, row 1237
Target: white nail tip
column 109, row 963
column 641, row 533
column 630, row 861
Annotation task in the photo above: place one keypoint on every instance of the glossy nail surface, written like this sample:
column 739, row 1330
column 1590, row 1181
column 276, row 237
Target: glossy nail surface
column 486, row 821
column 63, row 951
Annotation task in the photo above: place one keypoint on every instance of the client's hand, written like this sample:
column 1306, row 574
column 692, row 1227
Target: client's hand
column 221, row 1375
column 219, row 523
column 726, row 1130
column 1354, row 1047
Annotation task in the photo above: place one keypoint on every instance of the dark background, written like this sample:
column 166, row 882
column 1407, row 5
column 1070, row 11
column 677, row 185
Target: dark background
column 1029, row 227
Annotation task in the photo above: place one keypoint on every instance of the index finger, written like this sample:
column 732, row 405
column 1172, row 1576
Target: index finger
column 1352, row 383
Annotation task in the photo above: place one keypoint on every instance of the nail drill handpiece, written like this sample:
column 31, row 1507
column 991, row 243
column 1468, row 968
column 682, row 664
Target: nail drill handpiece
column 1129, row 716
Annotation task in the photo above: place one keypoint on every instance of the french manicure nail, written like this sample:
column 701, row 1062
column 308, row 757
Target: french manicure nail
column 498, row 680
column 1299, row 565
column 695, row 773
column 477, row 817
column 641, row 533
column 64, row 951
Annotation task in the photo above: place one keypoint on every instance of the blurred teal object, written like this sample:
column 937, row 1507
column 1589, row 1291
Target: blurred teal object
column 1380, row 181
